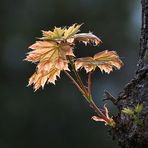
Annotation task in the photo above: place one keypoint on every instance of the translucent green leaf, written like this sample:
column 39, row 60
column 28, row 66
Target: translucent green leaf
column 128, row 111
column 72, row 30
column 138, row 108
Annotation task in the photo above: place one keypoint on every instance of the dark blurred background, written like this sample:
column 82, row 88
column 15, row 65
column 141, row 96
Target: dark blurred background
column 58, row 116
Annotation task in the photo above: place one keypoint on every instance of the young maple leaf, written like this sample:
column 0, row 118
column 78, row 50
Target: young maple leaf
column 104, row 60
column 57, row 34
column 72, row 30
column 51, row 58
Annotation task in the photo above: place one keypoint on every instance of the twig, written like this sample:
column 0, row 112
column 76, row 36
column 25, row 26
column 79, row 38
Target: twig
column 89, row 84
column 79, row 80
column 110, row 97
column 97, row 110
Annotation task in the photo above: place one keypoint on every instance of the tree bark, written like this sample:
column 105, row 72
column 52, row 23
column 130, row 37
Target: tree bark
column 127, row 132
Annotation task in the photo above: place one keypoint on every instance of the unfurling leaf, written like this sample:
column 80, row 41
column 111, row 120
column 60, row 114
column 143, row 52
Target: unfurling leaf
column 87, row 38
column 105, row 118
column 105, row 60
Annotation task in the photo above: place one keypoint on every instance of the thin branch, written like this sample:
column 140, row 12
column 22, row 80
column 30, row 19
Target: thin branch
column 79, row 80
column 83, row 90
column 108, row 96
column 97, row 110
column 89, row 84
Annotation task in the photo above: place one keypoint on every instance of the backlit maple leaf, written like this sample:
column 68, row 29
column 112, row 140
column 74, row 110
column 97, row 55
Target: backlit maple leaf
column 39, row 79
column 72, row 30
column 57, row 34
column 105, row 60
column 51, row 58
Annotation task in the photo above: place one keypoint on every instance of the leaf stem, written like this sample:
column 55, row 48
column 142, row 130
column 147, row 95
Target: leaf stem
column 97, row 110
column 79, row 80
column 86, row 92
column 89, row 84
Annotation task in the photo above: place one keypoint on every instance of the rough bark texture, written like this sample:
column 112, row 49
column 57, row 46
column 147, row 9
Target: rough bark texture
column 128, row 133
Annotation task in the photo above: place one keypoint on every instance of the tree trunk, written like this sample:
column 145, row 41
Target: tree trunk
column 128, row 133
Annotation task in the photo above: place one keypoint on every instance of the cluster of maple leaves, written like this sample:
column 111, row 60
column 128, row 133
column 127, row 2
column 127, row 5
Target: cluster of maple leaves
column 51, row 54
column 54, row 52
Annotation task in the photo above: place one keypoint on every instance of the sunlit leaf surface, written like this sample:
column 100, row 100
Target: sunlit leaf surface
column 104, row 60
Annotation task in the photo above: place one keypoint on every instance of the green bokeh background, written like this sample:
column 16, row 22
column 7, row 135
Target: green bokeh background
column 58, row 116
